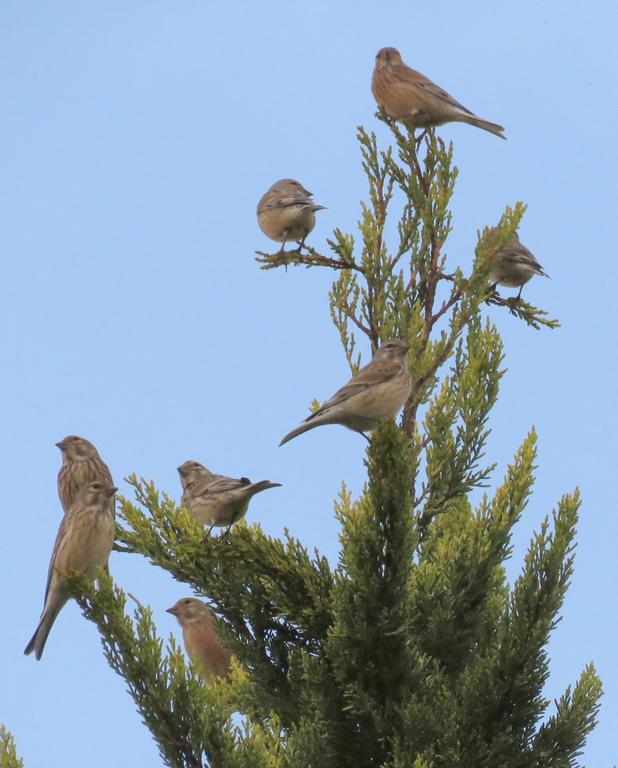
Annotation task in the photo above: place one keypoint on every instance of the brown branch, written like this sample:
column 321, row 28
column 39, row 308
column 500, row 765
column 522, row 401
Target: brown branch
column 455, row 297
column 412, row 280
column 309, row 259
column 351, row 316
column 408, row 421
column 522, row 310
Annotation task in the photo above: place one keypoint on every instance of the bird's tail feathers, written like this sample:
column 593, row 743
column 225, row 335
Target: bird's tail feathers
column 39, row 638
column 304, row 427
column 263, row 485
column 494, row 128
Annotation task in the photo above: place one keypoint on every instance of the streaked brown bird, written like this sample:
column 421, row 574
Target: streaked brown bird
column 202, row 645
column 81, row 464
column 217, row 500
column 374, row 394
column 83, row 543
column 286, row 212
column 409, row 96
column 514, row 265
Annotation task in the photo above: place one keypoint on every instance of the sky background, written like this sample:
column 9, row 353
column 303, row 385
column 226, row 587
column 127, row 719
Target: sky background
column 135, row 141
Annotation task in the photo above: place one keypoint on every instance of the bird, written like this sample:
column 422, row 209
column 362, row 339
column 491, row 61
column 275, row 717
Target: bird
column 514, row 265
column 408, row 95
column 372, row 395
column 202, row 645
column 81, row 464
column 217, row 500
column 83, row 543
column 286, row 212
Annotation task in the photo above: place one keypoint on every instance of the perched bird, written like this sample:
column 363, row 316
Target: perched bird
column 287, row 212
column 202, row 645
column 374, row 394
column 514, row 265
column 83, row 543
column 81, row 464
column 407, row 95
column 217, row 500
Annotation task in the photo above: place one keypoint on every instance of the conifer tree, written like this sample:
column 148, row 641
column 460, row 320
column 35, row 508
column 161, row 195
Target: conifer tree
column 412, row 651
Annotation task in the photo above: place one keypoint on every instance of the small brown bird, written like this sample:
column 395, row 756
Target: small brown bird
column 514, row 265
column 81, row 464
column 286, row 212
column 202, row 645
column 407, row 95
column 83, row 543
column 217, row 500
column 374, row 394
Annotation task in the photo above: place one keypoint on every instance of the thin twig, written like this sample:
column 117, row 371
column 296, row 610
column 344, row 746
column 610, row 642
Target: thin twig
column 351, row 316
column 455, row 297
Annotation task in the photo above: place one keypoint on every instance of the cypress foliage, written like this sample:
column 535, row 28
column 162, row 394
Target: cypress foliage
column 8, row 754
column 413, row 651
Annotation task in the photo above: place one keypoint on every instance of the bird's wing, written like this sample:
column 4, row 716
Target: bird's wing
column 286, row 200
column 221, row 484
column 517, row 253
column 198, row 486
column 369, row 376
column 406, row 76
column 66, row 521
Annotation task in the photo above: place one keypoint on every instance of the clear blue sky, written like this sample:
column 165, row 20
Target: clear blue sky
column 135, row 141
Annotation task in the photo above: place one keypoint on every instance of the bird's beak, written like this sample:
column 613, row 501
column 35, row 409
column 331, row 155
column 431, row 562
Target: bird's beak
column 60, row 444
column 111, row 490
column 173, row 610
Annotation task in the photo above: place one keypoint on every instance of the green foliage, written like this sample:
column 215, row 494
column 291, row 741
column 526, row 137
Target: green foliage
column 190, row 720
column 8, row 755
column 455, row 425
column 414, row 651
column 372, row 659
